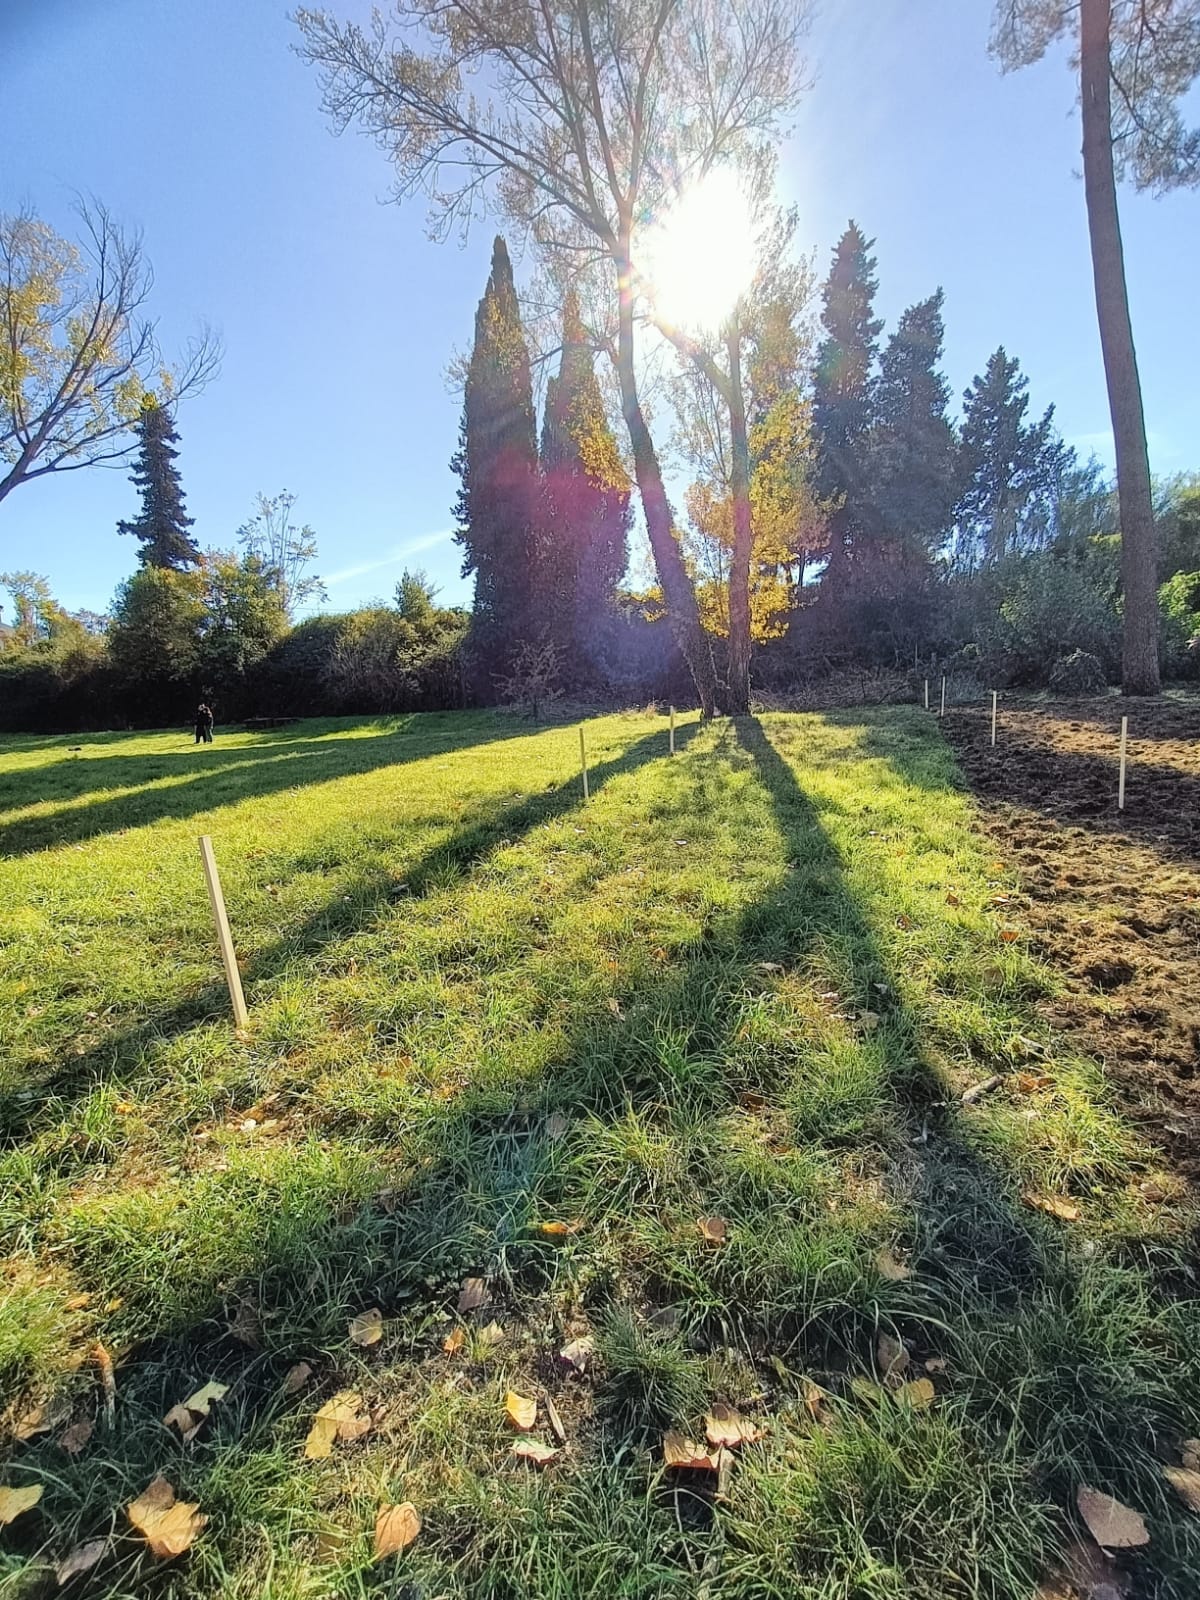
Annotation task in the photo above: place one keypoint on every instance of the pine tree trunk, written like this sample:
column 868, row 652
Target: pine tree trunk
column 678, row 590
column 739, row 571
column 1139, row 555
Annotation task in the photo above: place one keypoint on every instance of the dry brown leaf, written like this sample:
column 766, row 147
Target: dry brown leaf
column 952, row 899
column 919, row 1394
column 189, row 1416
column 15, row 1502
column 556, row 1425
column 556, row 1125
column 680, row 1451
column 578, row 1353
column 474, row 1293
column 936, row 1364
column 1113, row 1526
column 890, row 1268
column 725, row 1426
column 339, row 1418
column 38, row 1420
column 614, row 1005
column 296, row 1377
column 713, row 1229
column 108, row 1379
column 1031, row 1082
column 1186, row 1483
column 534, row 1450
column 521, row 1409
column 82, row 1559
column 73, row 1439
column 169, row 1526
column 814, row 1401
column 454, row 1341
column 395, row 1528
column 493, row 1334
column 1189, row 1454
column 76, row 1302
column 891, row 1358
column 366, row 1328
column 1009, row 935
column 1054, row 1205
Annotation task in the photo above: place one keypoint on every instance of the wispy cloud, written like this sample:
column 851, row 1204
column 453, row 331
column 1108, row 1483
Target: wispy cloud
column 401, row 552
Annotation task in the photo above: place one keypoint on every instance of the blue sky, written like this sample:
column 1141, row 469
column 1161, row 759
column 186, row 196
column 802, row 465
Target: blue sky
column 339, row 316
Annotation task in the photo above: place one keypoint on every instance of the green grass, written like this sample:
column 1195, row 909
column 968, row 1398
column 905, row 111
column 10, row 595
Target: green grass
column 751, row 982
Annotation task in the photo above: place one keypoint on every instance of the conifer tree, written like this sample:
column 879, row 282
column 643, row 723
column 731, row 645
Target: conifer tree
column 497, row 464
column 842, row 399
column 162, row 525
column 584, row 525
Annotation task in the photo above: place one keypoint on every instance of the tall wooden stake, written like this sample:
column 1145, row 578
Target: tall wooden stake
column 942, row 712
column 583, row 764
column 1121, row 779
column 224, row 938
column 927, row 694
column 672, row 730
column 993, row 719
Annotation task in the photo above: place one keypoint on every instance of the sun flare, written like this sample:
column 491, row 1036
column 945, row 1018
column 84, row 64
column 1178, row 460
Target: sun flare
column 698, row 257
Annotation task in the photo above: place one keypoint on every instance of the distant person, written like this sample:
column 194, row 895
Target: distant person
column 204, row 724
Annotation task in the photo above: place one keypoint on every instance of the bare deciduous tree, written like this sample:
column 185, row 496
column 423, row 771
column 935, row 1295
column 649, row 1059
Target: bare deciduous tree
column 77, row 354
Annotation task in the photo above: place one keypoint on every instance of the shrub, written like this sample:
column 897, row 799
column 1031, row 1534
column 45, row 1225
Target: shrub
column 1078, row 673
column 1179, row 606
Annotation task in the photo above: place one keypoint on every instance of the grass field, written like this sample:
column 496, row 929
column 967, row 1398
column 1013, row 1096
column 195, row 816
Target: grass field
column 497, row 1034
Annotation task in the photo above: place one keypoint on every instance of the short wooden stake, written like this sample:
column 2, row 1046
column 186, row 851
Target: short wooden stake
column 224, row 938
column 672, row 730
column 993, row 718
column 942, row 712
column 583, row 763
column 927, row 694
column 1121, row 779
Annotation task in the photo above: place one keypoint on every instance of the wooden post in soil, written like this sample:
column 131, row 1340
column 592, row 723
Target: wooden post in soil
column 993, row 719
column 1121, row 778
column 672, row 730
column 927, row 694
column 224, row 938
column 583, row 764
column 942, row 712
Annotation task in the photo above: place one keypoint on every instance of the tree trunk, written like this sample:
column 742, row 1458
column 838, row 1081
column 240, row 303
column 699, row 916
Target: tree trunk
column 678, row 590
column 739, row 570
column 1139, row 553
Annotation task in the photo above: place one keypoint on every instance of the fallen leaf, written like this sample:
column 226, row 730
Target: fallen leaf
column 395, row 1529
column 76, row 1302
column 679, row 1451
column 108, row 1379
column 1186, row 1483
column 919, row 1394
column 953, row 900
column 493, row 1334
column 1031, row 1082
column 751, row 1100
column 1189, row 1452
column 814, row 1401
column 14, row 1502
column 454, row 1341
column 339, row 1418
column 904, row 921
column 725, row 1426
column 1009, row 935
column 614, row 1005
column 891, row 1269
column 769, row 966
column 1054, row 1205
column 169, row 1526
column 868, row 1021
column 891, row 1358
column 534, row 1450
column 296, row 1377
column 522, row 1411
column 936, row 1364
column 1112, row 1525
column 560, row 1230
column 578, row 1353
column 39, row 1419
column 189, row 1416
column 866, row 1388
column 713, row 1229
column 82, row 1559
column 366, row 1328
column 73, row 1439
column 556, row 1125
column 556, row 1426
column 473, row 1294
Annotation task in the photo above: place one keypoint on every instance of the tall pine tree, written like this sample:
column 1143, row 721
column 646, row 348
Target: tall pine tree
column 913, row 448
column 497, row 464
column 1009, row 467
column 842, row 400
column 584, row 524
column 162, row 525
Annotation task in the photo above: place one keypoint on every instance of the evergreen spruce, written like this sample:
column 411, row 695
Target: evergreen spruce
column 162, row 526
column 1009, row 467
column 497, row 464
column 584, row 524
column 842, row 400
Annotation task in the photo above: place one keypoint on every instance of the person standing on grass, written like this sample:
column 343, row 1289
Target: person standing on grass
column 204, row 724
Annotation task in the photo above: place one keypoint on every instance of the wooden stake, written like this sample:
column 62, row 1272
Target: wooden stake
column 672, row 730
column 224, row 938
column 583, row 763
column 993, row 719
column 942, row 712
column 927, row 694
column 1121, row 779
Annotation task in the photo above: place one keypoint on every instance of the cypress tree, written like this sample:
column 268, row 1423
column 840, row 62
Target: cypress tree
column 1009, row 466
column 497, row 464
column 162, row 525
column 584, row 526
column 842, row 399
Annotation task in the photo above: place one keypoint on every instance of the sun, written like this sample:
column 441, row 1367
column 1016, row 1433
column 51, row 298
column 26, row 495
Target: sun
column 698, row 257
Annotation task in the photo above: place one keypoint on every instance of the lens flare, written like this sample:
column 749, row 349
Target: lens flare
column 698, row 258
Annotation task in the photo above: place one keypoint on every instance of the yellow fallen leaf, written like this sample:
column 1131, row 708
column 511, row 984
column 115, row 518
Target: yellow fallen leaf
column 367, row 1328
column 339, row 1418
column 35, row 1421
column 73, row 1439
column 725, row 1426
column 560, row 1230
column 1113, row 1526
column 1189, row 1454
column 15, row 1502
column 82, row 1559
column 1186, row 1483
column 472, row 1295
column 919, row 1394
column 169, row 1526
column 522, row 1411
column 713, row 1229
column 296, row 1377
column 890, row 1268
column 1054, row 1205
column 578, row 1353
column 814, row 1401
column 534, row 1450
column 395, row 1529
column 680, row 1451
column 454, row 1341
column 189, row 1416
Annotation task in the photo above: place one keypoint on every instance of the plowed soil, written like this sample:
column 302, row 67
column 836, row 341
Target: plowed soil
column 1112, row 897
